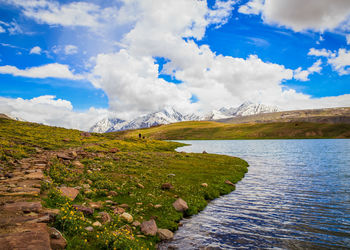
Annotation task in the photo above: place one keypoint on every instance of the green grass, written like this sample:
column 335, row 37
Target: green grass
column 208, row 130
column 148, row 162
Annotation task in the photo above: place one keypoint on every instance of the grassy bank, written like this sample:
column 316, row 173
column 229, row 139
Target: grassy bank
column 209, row 130
column 113, row 174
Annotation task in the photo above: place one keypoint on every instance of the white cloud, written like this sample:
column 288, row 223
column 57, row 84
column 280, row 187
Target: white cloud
column 51, row 111
column 347, row 39
column 71, row 14
column 2, row 30
column 303, row 75
column 70, row 49
column 54, row 70
column 299, row 15
column 320, row 52
column 35, row 50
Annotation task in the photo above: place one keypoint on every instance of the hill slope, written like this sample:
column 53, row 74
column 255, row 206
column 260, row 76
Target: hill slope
column 210, row 130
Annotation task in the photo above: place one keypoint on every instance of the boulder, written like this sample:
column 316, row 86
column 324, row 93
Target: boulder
column 127, row 217
column 57, row 242
column 204, row 185
column 180, row 205
column 69, row 192
column 89, row 229
column 165, row 234
column 149, row 227
column 23, row 206
column 204, row 152
column 167, row 186
column 95, row 205
column 97, row 224
column 126, row 206
column 105, row 217
column 84, row 210
column 136, row 223
column 64, row 156
column 119, row 210
column 78, row 164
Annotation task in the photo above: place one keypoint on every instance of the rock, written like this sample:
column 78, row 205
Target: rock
column 157, row 206
column 127, row 217
column 69, row 192
column 85, row 134
column 78, row 164
column 180, row 205
column 126, row 206
column 34, row 176
column 139, row 203
column 89, row 171
column 165, row 234
column 204, row 185
column 171, row 175
column 23, row 206
column 204, row 152
column 229, row 183
column 140, row 185
column 84, row 210
column 73, row 154
column 89, row 229
column 57, row 242
column 113, row 150
column 167, row 186
column 149, row 227
column 136, row 223
column 42, row 219
column 105, row 217
column 95, row 205
column 28, row 236
column 86, row 186
column 112, row 193
column 66, row 140
column 119, row 210
column 9, row 175
column 64, row 156
column 97, row 224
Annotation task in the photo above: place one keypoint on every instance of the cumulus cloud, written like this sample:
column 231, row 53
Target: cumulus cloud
column 299, row 15
column 339, row 60
column 83, row 14
column 51, row 111
column 35, row 50
column 70, row 49
column 303, row 75
column 54, row 70
column 2, row 30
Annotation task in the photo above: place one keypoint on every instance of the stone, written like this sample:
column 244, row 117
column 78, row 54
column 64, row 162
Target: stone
column 34, row 176
column 9, row 175
column 89, row 229
column 167, row 186
column 180, row 205
column 149, row 227
column 204, row 152
column 64, row 156
column 78, row 164
column 140, row 185
column 204, row 185
column 28, row 236
column 85, row 134
column 86, row 186
column 229, row 183
column 84, row 210
column 139, row 203
column 105, row 217
column 136, row 223
column 73, row 154
column 127, row 217
column 171, row 175
column 165, row 234
column 42, row 219
column 95, row 205
column 57, row 241
column 23, row 206
column 69, row 192
column 97, row 224
column 157, row 206
column 66, row 140
column 119, row 210
column 113, row 150
column 126, row 206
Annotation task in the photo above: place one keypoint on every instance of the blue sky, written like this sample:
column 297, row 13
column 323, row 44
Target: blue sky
column 64, row 60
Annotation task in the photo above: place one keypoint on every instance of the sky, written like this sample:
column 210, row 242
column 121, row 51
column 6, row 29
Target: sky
column 71, row 63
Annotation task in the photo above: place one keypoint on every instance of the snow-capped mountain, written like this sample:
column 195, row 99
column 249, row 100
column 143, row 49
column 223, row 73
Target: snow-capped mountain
column 170, row 115
column 107, row 124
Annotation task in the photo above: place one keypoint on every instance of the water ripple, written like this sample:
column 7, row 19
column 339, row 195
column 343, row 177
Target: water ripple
column 296, row 195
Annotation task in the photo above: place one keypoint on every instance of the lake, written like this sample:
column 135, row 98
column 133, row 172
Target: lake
column 296, row 195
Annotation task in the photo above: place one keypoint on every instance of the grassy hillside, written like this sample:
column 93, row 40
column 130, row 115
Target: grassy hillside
column 209, row 130
column 110, row 175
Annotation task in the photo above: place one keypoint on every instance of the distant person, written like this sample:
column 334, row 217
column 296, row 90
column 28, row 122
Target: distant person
column 140, row 135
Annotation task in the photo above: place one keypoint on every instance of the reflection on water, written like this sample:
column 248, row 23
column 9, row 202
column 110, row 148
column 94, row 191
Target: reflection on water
column 296, row 195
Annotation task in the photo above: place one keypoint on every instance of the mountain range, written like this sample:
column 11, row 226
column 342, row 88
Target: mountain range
column 170, row 115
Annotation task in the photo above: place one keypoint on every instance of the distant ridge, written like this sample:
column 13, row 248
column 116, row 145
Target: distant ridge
column 328, row 115
column 4, row 116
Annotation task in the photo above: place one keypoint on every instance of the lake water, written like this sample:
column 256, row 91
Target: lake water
column 296, row 195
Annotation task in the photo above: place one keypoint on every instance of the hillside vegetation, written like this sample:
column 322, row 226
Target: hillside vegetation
column 210, row 130
column 114, row 185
